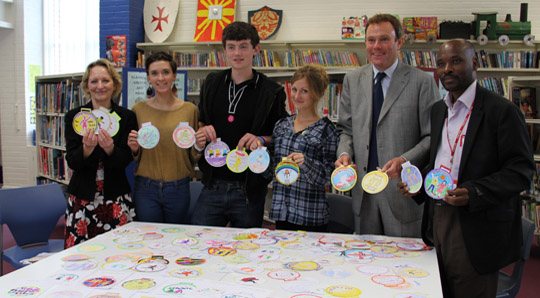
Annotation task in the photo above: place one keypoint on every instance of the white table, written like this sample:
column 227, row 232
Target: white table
column 227, row 262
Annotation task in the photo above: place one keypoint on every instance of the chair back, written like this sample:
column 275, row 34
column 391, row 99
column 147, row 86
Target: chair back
column 341, row 214
column 508, row 285
column 31, row 213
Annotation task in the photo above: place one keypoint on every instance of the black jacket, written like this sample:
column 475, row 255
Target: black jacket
column 270, row 108
column 83, row 182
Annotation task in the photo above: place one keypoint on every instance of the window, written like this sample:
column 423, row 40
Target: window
column 70, row 35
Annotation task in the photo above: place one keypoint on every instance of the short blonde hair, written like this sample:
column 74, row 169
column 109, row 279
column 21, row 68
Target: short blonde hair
column 316, row 77
column 117, row 80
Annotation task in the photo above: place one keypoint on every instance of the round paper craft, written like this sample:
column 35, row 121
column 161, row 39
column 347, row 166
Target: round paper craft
column 344, row 178
column 343, row 291
column 115, row 124
column 84, row 121
column 437, row 183
column 216, row 153
column 148, row 136
column 237, row 161
column 375, row 182
column 184, row 135
column 287, row 172
column 102, row 117
column 259, row 160
column 411, row 175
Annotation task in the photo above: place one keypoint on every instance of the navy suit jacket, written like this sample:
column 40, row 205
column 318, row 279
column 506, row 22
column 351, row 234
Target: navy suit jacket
column 496, row 165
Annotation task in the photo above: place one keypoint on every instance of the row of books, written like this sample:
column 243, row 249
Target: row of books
column 531, row 210
column 52, row 130
column 58, row 97
column 52, row 163
column 194, row 85
column 266, row 58
column 418, row 58
column 326, row 58
column 497, row 85
column 508, row 59
column 211, row 59
column 328, row 104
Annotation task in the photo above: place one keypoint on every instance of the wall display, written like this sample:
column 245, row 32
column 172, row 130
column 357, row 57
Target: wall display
column 116, row 50
column 212, row 18
column 267, row 21
column 159, row 18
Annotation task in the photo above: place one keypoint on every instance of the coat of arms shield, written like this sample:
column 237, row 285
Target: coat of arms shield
column 266, row 20
column 159, row 18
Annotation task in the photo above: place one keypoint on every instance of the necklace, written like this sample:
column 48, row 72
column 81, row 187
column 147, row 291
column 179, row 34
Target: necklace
column 233, row 102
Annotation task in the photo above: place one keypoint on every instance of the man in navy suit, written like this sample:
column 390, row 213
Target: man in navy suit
column 481, row 139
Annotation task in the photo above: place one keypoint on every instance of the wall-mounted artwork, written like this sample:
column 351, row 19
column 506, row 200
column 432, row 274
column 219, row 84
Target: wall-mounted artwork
column 266, row 20
column 212, row 17
column 159, row 18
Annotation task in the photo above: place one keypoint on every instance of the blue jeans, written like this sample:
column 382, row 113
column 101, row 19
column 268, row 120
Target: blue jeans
column 224, row 201
column 158, row 201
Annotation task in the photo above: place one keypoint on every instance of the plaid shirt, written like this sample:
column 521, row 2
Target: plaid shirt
column 304, row 202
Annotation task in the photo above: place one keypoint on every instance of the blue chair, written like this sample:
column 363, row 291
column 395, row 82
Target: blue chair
column 341, row 214
column 31, row 214
column 508, row 285
column 195, row 188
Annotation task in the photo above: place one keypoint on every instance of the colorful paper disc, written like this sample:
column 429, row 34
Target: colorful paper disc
column 259, row 160
column 411, row 175
column 84, row 121
column 344, row 178
column 184, row 135
column 148, row 136
column 437, row 183
column 375, row 182
column 237, row 161
column 216, row 153
column 287, row 172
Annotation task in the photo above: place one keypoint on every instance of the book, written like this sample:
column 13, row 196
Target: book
column 116, row 50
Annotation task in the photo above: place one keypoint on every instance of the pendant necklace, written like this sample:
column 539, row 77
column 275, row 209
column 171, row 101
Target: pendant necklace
column 234, row 99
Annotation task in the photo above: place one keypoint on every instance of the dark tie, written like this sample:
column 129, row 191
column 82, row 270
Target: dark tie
column 378, row 99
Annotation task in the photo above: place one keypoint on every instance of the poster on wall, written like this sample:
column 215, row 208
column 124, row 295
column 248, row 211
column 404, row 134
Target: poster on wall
column 159, row 18
column 266, row 20
column 212, row 18
column 116, row 50
column 135, row 85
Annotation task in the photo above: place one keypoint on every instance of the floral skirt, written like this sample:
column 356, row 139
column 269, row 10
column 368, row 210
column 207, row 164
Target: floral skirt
column 87, row 219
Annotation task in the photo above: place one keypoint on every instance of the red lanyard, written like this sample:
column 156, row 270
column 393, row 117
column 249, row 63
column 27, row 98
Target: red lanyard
column 453, row 149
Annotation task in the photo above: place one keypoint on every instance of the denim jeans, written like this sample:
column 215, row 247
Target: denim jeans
column 158, row 201
column 224, row 201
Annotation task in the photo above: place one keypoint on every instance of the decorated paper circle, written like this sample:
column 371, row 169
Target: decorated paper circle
column 186, row 272
column 115, row 124
column 117, row 265
column 287, row 172
column 388, row 280
column 437, row 183
column 73, row 258
column 24, row 291
column 221, row 251
column 411, row 175
column 302, row 266
column 343, row 291
column 84, row 121
column 150, row 267
column 216, row 153
column 185, row 241
column 79, row 266
column 374, row 182
column 184, row 135
column 237, row 161
column 411, row 246
column 102, row 117
column 284, row 274
column 148, row 136
column 186, row 261
column 259, row 160
column 91, row 247
column 139, row 284
column 344, row 178
column 99, row 282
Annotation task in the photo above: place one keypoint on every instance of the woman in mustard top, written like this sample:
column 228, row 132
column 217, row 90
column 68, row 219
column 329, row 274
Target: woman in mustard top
column 161, row 190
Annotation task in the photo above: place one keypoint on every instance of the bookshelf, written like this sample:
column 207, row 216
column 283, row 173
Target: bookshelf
column 527, row 89
column 493, row 78
column 55, row 95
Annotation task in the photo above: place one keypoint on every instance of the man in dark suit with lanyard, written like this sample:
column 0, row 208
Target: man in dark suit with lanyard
column 481, row 139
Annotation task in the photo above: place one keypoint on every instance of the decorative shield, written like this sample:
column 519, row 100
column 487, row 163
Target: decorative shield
column 212, row 17
column 159, row 18
column 266, row 20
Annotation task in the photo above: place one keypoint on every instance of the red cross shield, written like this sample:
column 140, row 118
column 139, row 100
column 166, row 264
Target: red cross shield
column 159, row 18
